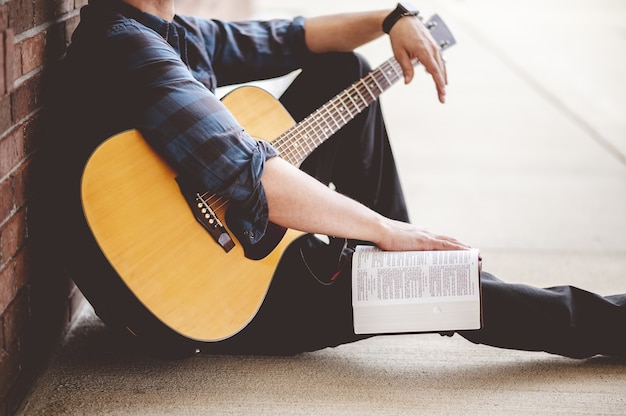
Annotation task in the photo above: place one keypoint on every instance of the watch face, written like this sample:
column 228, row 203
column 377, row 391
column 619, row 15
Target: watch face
column 408, row 7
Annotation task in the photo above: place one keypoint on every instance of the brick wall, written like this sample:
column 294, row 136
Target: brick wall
column 37, row 300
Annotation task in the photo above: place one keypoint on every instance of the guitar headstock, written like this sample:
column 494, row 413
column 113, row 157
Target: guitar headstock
column 440, row 32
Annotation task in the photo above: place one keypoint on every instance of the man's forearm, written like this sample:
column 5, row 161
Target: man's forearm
column 298, row 201
column 294, row 201
column 343, row 32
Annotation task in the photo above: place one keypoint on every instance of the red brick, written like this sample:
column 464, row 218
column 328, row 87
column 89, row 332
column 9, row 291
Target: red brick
column 6, row 198
column 7, row 286
column 9, row 60
column 3, row 80
column 12, row 235
column 4, row 16
column 20, row 182
column 21, row 15
column 26, row 98
column 5, row 113
column 12, row 151
column 46, row 10
column 33, row 52
column 13, row 60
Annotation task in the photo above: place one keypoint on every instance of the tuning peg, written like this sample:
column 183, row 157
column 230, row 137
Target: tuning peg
column 430, row 25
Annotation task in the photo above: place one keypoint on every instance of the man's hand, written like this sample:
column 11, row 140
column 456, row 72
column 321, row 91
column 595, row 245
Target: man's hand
column 411, row 40
column 404, row 236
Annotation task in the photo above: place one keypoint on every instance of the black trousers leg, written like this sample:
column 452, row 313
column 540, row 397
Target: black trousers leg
column 358, row 159
column 561, row 320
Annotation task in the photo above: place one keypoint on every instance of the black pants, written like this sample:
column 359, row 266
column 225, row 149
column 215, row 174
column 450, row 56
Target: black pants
column 305, row 311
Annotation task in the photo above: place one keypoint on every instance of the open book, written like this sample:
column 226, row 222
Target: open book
column 415, row 291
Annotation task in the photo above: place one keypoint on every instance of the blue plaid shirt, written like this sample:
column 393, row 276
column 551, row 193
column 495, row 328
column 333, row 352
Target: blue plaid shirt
column 159, row 77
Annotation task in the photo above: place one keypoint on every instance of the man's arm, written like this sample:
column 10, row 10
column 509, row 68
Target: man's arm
column 409, row 40
column 296, row 200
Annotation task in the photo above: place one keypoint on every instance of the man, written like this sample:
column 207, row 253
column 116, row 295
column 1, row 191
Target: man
column 136, row 64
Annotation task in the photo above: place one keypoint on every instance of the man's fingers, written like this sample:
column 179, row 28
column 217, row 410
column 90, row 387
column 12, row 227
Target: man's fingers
column 407, row 68
column 437, row 69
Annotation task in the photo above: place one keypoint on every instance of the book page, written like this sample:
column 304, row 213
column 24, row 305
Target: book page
column 415, row 291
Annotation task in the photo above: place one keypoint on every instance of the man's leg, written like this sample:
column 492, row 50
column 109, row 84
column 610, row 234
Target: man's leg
column 358, row 159
column 561, row 320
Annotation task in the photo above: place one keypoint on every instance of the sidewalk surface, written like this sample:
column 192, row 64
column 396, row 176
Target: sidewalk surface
column 526, row 160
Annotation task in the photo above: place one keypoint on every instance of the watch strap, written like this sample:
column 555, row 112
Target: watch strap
column 402, row 9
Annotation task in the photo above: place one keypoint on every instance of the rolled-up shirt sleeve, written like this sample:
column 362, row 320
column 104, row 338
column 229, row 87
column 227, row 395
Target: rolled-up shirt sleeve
column 197, row 135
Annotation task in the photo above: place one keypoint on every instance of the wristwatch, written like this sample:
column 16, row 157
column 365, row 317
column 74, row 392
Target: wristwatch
column 402, row 9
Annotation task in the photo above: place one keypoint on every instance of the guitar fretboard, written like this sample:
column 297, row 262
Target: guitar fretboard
column 299, row 141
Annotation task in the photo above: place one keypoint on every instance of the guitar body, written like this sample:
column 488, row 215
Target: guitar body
column 146, row 230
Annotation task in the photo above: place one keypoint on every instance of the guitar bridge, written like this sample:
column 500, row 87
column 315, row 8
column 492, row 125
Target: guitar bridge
column 207, row 217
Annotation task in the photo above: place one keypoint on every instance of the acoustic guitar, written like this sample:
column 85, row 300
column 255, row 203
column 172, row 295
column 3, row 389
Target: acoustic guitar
column 171, row 245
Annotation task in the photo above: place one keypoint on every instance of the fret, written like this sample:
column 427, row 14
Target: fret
column 381, row 80
column 310, row 133
column 319, row 128
column 397, row 70
column 328, row 130
column 332, row 113
column 372, row 95
column 338, row 111
column 363, row 100
column 379, row 89
column 390, row 73
column 349, row 105
column 344, row 107
column 356, row 107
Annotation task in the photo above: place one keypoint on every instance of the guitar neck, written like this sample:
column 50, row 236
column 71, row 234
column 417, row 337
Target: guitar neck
column 299, row 141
